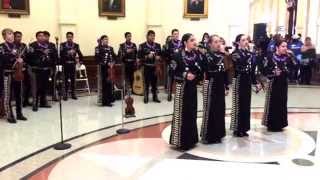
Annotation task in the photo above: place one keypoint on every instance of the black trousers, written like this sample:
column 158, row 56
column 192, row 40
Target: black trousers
column 150, row 79
column 53, row 84
column 26, row 85
column 15, row 87
column 40, row 86
column 305, row 74
column 106, row 84
column 70, row 73
column 170, row 79
column 294, row 70
column 129, row 71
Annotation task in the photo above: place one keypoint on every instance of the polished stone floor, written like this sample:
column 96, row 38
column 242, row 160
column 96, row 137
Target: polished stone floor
column 86, row 123
column 145, row 154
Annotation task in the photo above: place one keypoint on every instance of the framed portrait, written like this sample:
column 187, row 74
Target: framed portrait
column 21, row 7
column 112, row 8
column 195, row 8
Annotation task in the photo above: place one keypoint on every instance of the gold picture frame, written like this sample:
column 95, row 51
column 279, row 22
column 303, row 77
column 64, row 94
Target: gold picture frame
column 195, row 9
column 18, row 7
column 112, row 8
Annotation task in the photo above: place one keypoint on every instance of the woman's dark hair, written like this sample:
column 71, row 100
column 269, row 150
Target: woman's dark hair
column 288, row 37
column 211, row 38
column 223, row 40
column 279, row 42
column 237, row 40
column 185, row 38
column 205, row 35
column 168, row 39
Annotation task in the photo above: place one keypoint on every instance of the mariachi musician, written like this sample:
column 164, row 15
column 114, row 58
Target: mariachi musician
column 41, row 60
column 149, row 53
column 53, row 48
column 105, row 57
column 68, row 52
column 26, row 81
column 128, row 55
column 174, row 46
column 12, row 58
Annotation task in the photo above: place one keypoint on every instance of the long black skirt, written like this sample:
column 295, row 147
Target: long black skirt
column 184, row 132
column 276, row 111
column 213, row 123
column 241, row 103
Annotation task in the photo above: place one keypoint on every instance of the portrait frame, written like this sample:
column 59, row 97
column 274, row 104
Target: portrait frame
column 119, row 12
column 4, row 9
column 189, row 14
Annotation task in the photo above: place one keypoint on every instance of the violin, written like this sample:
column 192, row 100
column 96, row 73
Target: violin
column 130, row 111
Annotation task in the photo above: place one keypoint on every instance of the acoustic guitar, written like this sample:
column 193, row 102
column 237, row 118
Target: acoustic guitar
column 138, row 83
column 18, row 67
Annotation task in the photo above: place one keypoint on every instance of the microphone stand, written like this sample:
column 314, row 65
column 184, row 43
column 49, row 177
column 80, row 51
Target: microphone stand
column 123, row 130
column 61, row 145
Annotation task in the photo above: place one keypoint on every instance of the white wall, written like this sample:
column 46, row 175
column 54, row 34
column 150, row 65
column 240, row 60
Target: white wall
column 226, row 18
column 81, row 17
column 223, row 16
column 90, row 26
column 43, row 16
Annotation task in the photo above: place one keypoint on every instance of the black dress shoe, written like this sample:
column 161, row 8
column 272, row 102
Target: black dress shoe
column 45, row 106
column 275, row 130
column 12, row 120
column 146, row 100
column 156, row 100
column 205, row 142
column 21, row 118
column 108, row 105
column 74, row 97
column 26, row 103
column 217, row 141
column 65, row 98
column 34, row 108
column 238, row 134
